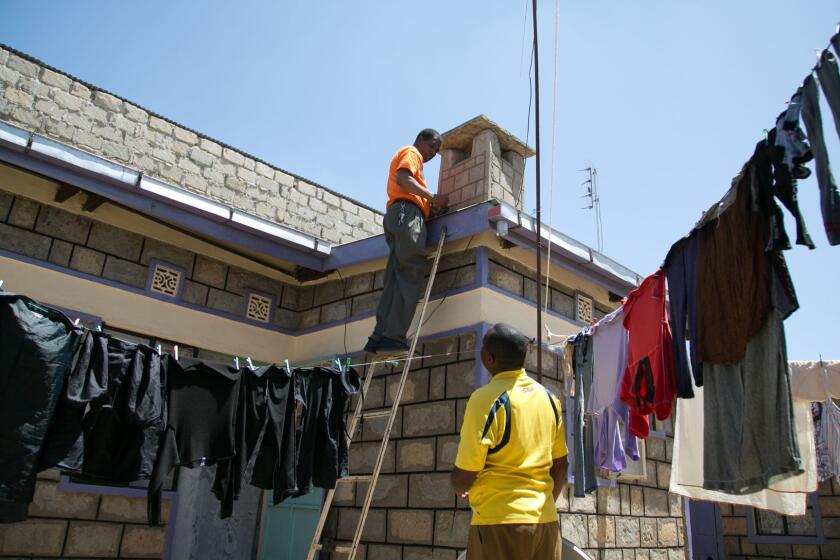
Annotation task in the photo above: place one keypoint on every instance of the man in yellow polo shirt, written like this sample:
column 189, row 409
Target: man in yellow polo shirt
column 511, row 460
column 409, row 204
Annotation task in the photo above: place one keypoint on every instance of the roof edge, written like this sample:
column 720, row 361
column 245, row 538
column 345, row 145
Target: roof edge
column 93, row 87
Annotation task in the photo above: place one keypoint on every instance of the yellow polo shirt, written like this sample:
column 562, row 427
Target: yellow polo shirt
column 512, row 431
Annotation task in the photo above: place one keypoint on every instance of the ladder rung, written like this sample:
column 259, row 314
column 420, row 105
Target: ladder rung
column 376, row 414
column 355, row 478
column 320, row 546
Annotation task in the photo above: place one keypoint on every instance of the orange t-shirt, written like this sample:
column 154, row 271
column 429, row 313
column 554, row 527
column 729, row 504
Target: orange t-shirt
column 408, row 158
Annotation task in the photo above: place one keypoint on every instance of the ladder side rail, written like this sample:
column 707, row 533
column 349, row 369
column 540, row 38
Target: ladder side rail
column 387, row 435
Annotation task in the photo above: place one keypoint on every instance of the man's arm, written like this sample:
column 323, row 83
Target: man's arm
column 411, row 186
column 558, row 475
column 462, row 481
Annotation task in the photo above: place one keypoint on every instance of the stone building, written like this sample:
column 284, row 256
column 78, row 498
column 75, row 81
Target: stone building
column 157, row 233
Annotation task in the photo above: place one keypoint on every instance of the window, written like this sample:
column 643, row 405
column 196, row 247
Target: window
column 774, row 528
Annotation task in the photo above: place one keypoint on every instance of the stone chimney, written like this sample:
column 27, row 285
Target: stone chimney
column 481, row 161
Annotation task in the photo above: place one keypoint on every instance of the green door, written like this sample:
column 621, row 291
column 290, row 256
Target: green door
column 288, row 527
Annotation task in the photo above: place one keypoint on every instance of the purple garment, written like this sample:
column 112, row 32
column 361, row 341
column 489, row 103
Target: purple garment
column 609, row 412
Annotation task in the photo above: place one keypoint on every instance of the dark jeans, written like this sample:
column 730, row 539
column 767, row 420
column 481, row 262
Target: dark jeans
column 829, row 197
column 583, row 441
column 322, row 442
column 405, row 233
column 36, row 352
column 681, row 272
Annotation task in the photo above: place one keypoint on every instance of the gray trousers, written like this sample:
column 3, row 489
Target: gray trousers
column 829, row 196
column 750, row 438
column 405, row 233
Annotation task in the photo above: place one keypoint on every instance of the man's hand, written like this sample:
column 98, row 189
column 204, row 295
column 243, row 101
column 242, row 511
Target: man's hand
column 462, row 480
column 440, row 201
column 558, row 474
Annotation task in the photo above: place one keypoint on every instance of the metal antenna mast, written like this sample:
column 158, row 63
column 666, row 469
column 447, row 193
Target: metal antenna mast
column 594, row 203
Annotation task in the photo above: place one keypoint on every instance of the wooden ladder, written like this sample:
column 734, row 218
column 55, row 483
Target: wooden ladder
column 358, row 414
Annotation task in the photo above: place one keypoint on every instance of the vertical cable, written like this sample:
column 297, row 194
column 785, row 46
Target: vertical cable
column 552, row 164
column 539, row 210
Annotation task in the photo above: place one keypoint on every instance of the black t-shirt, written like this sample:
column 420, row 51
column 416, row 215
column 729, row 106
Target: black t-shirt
column 200, row 423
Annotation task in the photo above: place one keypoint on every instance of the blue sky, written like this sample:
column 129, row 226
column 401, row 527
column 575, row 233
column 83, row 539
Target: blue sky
column 666, row 99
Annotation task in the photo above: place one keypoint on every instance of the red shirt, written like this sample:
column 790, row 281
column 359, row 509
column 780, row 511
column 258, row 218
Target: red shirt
column 648, row 385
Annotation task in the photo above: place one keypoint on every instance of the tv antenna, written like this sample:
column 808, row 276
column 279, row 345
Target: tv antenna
column 594, row 203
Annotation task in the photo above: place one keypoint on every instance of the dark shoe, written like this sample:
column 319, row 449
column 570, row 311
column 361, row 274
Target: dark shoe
column 371, row 346
column 386, row 344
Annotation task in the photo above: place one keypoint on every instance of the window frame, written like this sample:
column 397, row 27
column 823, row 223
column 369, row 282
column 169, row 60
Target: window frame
column 818, row 538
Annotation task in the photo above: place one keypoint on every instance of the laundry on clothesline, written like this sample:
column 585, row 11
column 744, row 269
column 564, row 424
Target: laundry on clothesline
column 105, row 410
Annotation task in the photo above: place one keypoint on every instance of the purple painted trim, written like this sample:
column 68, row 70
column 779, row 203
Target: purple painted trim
column 481, row 374
column 533, row 305
column 137, row 291
column 67, row 485
column 469, row 221
column 151, row 274
column 170, row 527
column 352, row 318
column 165, row 210
column 272, row 306
column 524, row 238
column 687, row 518
column 224, row 315
column 73, row 314
column 481, row 258
column 819, row 538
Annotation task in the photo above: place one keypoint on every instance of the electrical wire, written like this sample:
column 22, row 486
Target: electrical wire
column 552, row 165
column 452, row 284
column 346, row 309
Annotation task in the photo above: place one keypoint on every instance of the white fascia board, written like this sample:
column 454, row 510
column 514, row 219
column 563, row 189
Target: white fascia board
column 14, row 136
column 82, row 160
column 275, row 230
column 615, row 269
column 185, row 198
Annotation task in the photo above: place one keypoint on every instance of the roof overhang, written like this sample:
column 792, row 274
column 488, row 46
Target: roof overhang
column 520, row 228
column 160, row 200
column 260, row 238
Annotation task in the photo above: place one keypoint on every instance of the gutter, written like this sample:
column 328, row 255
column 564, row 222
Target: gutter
column 520, row 228
column 103, row 173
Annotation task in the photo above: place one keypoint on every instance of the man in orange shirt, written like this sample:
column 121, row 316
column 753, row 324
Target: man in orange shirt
column 409, row 204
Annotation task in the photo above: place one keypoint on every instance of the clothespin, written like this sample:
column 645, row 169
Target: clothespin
column 337, row 364
column 159, row 349
column 176, row 352
column 287, row 367
column 236, row 362
column 249, row 362
column 347, row 364
column 1, row 284
column 76, row 322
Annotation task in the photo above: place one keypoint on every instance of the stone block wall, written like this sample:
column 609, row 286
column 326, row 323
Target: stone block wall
column 339, row 300
column 739, row 545
column 76, row 242
column 415, row 515
column 69, row 524
column 484, row 173
column 518, row 280
column 46, row 101
column 631, row 521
